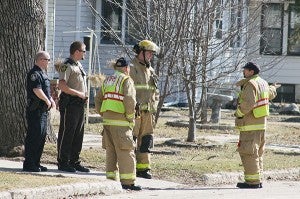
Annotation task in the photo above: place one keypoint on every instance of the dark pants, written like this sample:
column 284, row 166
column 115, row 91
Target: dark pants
column 70, row 135
column 35, row 137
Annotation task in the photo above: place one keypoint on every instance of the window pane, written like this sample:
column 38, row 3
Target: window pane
column 272, row 14
column 111, row 21
column 294, row 31
column 271, row 38
column 133, row 29
column 286, row 93
column 271, row 42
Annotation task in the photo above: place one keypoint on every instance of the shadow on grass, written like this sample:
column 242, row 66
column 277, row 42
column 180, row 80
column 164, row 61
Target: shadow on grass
column 291, row 119
column 287, row 153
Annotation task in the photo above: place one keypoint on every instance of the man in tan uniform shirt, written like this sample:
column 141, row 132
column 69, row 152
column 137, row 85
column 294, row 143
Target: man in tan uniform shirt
column 72, row 83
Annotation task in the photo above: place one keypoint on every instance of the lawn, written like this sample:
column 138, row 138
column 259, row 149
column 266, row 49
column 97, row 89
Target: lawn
column 184, row 164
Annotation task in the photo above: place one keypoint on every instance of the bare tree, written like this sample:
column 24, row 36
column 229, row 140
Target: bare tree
column 21, row 36
column 202, row 43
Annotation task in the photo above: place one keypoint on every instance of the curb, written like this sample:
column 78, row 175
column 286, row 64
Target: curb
column 65, row 191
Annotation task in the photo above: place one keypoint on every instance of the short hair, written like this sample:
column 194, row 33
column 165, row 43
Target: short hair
column 252, row 66
column 76, row 45
column 40, row 54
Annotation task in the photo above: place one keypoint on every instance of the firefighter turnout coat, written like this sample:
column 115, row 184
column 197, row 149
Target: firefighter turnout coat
column 115, row 102
column 253, row 103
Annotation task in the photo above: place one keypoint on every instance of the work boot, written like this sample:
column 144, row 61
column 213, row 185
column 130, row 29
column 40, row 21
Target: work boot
column 42, row 168
column 81, row 168
column 144, row 174
column 131, row 187
column 66, row 167
column 31, row 169
column 244, row 185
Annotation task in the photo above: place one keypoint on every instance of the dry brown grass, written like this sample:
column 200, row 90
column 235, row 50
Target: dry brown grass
column 10, row 180
column 189, row 163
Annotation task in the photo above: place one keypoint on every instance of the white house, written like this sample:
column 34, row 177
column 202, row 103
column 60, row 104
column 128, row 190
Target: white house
column 274, row 47
column 279, row 46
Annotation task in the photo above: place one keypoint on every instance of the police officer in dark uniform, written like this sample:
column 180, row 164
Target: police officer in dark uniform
column 72, row 83
column 39, row 102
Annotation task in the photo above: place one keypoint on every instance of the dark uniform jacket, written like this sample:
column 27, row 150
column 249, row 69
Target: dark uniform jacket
column 36, row 78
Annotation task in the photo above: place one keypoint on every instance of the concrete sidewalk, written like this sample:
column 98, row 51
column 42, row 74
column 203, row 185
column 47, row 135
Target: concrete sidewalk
column 101, row 186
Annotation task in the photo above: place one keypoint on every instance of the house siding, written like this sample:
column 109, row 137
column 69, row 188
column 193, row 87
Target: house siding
column 67, row 29
column 282, row 69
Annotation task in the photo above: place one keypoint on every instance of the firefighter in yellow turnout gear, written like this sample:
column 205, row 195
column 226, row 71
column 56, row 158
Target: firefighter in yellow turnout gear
column 147, row 96
column 115, row 102
column 251, row 121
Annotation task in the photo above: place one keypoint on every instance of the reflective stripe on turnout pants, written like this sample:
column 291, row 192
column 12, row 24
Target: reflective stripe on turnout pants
column 119, row 146
column 144, row 125
column 251, row 148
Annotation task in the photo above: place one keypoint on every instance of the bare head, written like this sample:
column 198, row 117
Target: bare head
column 77, row 50
column 42, row 59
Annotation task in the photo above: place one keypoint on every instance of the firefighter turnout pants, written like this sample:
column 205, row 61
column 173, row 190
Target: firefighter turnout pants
column 120, row 156
column 251, row 148
column 143, row 132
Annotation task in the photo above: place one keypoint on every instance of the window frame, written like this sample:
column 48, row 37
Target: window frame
column 123, row 24
column 283, row 94
column 263, row 43
column 290, row 29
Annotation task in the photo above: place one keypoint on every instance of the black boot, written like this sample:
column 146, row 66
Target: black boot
column 66, row 167
column 244, row 185
column 131, row 187
column 144, row 174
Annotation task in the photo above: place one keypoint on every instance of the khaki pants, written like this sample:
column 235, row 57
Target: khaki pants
column 120, row 156
column 144, row 125
column 251, row 148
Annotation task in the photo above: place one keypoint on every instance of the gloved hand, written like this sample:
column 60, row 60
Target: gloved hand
column 276, row 85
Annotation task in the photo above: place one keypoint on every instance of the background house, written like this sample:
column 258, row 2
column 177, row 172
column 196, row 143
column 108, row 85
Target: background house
column 279, row 46
column 275, row 46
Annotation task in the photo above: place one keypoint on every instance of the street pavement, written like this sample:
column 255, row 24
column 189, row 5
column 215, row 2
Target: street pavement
column 270, row 190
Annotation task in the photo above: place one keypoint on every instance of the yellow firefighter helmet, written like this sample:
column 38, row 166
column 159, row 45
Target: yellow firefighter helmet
column 145, row 45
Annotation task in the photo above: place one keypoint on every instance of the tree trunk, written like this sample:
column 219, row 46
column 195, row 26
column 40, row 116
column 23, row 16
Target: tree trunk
column 21, row 36
column 192, row 130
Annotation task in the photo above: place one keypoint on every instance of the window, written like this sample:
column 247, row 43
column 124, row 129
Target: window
column 219, row 22
column 294, row 30
column 111, row 21
column 271, row 29
column 286, row 93
column 114, row 22
column 236, row 23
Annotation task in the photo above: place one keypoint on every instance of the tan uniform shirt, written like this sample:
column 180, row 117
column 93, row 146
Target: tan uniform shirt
column 74, row 75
